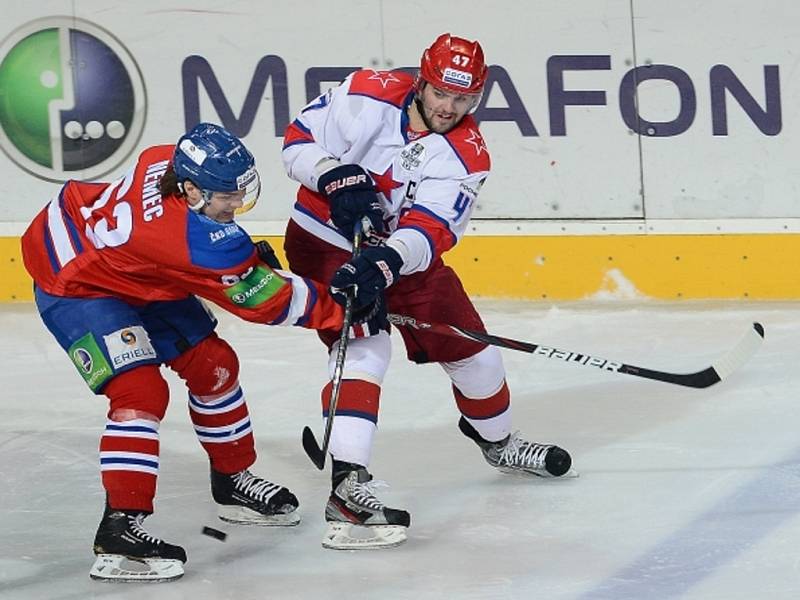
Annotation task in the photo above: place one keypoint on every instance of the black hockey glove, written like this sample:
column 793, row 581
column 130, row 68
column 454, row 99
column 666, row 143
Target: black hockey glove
column 351, row 195
column 367, row 276
column 267, row 255
column 370, row 320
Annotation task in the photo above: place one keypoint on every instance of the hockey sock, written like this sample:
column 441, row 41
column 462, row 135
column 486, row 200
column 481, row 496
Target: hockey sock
column 129, row 446
column 216, row 404
column 489, row 417
column 356, row 419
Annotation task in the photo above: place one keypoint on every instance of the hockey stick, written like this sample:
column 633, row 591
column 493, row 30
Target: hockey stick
column 704, row 378
column 315, row 453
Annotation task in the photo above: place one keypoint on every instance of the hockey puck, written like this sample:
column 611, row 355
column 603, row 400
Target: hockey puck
column 215, row 533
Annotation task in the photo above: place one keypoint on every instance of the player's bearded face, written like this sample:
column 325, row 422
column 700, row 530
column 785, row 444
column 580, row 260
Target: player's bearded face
column 443, row 110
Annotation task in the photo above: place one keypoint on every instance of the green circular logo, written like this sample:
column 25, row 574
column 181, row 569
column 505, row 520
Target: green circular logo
column 72, row 99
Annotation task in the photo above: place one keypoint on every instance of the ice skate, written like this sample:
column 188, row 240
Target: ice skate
column 357, row 520
column 515, row 455
column 127, row 553
column 245, row 499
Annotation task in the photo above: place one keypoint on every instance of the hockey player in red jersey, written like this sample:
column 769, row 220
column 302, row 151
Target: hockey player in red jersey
column 117, row 270
column 406, row 154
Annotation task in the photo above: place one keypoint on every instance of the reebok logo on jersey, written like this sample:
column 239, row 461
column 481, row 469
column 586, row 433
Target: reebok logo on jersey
column 345, row 182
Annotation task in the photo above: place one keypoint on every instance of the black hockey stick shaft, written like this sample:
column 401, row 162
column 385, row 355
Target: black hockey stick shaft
column 315, row 453
column 703, row 378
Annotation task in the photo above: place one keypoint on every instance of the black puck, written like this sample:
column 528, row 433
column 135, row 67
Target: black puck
column 215, row 533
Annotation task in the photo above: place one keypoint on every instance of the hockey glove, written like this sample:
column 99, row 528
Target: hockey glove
column 369, row 320
column 267, row 255
column 351, row 195
column 366, row 276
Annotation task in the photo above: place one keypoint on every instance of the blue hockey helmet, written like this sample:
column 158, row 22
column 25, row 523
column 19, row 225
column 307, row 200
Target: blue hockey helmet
column 215, row 160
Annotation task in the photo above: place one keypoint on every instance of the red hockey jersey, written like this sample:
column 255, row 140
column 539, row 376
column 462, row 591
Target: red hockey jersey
column 124, row 240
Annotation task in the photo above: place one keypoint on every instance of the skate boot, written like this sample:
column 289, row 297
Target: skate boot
column 245, row 499
column 126, row 552
column 515, row 455
column 357, row 520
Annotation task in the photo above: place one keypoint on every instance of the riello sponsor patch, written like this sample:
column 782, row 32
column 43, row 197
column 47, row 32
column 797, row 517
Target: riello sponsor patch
column 128, row 345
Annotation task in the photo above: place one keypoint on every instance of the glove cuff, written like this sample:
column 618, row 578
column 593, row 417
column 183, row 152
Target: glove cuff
column 387, row 260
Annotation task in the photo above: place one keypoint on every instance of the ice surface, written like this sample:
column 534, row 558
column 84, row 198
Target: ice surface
column 683, row 493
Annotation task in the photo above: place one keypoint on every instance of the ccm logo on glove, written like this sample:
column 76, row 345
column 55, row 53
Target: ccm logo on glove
column 345, row 182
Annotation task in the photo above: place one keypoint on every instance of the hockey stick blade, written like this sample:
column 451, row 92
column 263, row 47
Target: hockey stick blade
column 704, row 378
column 312, row 449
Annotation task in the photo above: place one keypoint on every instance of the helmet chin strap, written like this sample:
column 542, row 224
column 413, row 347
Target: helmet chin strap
column 205, row 199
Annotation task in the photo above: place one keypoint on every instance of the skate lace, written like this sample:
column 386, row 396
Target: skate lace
column 363, row 494
column 137, row 528
column 254, row 487
column 520, row 453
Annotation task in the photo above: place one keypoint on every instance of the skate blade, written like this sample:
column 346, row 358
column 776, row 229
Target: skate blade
column 571, row 474
column 347, row 536
column 116, row 568
column 241, row 515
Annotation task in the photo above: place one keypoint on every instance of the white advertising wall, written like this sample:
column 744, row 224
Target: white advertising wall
column 594, row 110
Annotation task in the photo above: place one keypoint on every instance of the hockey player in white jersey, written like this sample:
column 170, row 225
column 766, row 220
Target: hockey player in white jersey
column 405, row 154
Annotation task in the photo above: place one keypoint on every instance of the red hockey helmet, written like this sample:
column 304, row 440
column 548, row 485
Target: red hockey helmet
column 454, row 64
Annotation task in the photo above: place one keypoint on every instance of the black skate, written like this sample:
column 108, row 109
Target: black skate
column 515, row 455
column 245, row 499
column 357, row 519
column 126, row 552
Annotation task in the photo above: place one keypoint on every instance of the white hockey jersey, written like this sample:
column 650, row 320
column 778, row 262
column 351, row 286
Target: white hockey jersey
column 427, row 183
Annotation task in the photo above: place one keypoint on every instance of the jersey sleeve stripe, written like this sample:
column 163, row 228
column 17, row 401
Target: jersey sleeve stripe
column 48, row 244
column 279, row 320
column 297, row 133
column 432, row 215
column 58, row 232
column 424, row 233
column 71, row 227
column 297, row 306
column 311, row 302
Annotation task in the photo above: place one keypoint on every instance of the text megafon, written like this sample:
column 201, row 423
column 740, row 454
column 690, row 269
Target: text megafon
column 760, row 103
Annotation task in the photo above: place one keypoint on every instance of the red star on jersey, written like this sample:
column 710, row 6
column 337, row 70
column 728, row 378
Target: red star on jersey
column 385, row 77
column 385, row 183
column 476, row 140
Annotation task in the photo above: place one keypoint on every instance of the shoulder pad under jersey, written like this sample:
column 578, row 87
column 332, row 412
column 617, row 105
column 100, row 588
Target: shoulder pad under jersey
column 391, row 87
column 215, row 245
column 468, row 144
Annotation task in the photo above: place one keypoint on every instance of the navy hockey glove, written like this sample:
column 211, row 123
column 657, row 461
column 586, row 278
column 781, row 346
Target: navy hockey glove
column 351, row 195
column 267, row 255
column 366, row 276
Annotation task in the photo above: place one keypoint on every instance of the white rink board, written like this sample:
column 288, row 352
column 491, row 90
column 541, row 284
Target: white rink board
column 590, row 169
column 745, row 174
